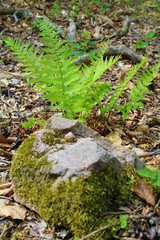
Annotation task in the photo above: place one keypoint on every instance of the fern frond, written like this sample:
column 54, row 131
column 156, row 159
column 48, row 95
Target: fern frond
column 26, row 53
column 139, row 90
column 119, row 90
column 69, row 88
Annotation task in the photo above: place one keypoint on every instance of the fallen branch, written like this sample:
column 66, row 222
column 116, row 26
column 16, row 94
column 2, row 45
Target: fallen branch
column 113, row 50
column 124, row 51
column 125, row 28
column 17, row 13
column 119, row 33
column 7, row 11
column 145, row 154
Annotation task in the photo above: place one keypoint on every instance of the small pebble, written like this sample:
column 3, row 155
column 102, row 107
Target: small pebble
column 70, row 137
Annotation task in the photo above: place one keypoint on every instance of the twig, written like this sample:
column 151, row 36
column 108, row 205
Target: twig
column 118, row 34
column 5, row 161
column 155, row 152
column 125, row 28
column 94, row 232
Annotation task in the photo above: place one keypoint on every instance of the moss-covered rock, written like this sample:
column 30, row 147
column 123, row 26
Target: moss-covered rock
column 76, row 202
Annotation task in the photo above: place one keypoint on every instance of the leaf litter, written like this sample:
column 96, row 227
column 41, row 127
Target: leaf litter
column 18, row 102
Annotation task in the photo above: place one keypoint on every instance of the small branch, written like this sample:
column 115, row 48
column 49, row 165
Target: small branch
column 113, row 50
column 145, row 154
column 124, row 51
column 16, row 12
column 125, row 28
column 118, row 34
column 5, row 11
column 94, row 232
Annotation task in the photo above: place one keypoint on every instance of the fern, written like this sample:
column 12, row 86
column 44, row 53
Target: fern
column 73, row 89
column 138, row 90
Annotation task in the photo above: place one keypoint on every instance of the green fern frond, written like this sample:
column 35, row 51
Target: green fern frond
column 71, row 88
column 139, row 90
column 27, row 55
column 119, row 90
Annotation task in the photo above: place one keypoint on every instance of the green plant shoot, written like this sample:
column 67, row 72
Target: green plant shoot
column 123, row 221
column 154, row 176
column 32, row 122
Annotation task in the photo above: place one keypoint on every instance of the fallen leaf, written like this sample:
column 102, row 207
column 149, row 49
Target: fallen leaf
column 97, row 32
column 129, row 86
column 4, row 82
column 5, row 153
column 15, row 212
column 6, row 185
column 6, row 191
column 2, row 139
column 115, row 138
column 154, row 160
column 145, row 192
column 144, row 146
column 143, row 128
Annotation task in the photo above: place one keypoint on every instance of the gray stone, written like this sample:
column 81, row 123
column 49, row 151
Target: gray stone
column 72, row 159
column 70, row 137
column 65, row 126
column 77, row 168
column 78, row 159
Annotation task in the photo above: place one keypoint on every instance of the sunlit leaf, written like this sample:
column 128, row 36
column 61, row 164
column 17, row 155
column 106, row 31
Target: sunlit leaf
column 123, row 221
column 145, row 192
column 15, row 212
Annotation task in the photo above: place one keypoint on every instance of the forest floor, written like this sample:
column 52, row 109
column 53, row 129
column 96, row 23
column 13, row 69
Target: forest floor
column 19, row 102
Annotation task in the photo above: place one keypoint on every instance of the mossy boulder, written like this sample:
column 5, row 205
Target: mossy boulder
column 70, row 175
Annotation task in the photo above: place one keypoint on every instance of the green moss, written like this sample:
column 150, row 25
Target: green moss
column 50, row 138
column 75, row 204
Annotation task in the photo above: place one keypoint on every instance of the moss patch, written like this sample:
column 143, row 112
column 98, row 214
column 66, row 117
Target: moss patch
column 75, row 204
column 50, row 139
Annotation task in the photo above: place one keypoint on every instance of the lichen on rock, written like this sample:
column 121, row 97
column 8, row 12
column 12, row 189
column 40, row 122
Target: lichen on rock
column 68, row 183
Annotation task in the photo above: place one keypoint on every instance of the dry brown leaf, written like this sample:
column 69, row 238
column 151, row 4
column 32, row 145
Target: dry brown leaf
column 145, row 192
column 6, row 185
column 6, row 191
column 5, row 153
column 11, row 139
column 15, row 212
column 2, row 139
column 154, row 160
column 129, row 86
column 4, row 82
column 143, row 128
column 115, row 138
column 5, row 145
